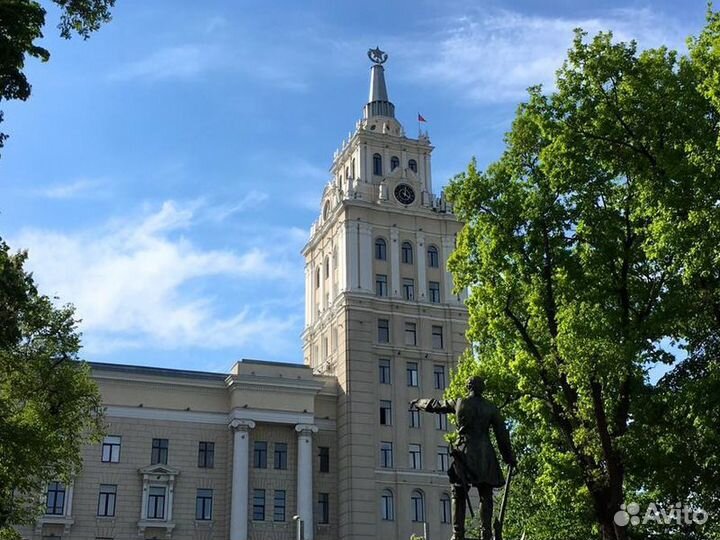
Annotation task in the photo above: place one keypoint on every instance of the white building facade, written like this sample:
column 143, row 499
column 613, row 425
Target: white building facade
column 333, row 442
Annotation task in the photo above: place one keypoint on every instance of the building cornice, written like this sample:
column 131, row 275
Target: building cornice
column 219, row 418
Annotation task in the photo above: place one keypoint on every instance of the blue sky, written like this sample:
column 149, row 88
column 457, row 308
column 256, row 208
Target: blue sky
column 165, row 173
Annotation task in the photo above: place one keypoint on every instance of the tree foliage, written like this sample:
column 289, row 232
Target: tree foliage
column 591, row 249
column 49, row 405
column 21, row 24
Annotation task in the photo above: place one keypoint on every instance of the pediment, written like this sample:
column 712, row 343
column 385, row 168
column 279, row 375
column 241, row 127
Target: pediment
column 159, row 470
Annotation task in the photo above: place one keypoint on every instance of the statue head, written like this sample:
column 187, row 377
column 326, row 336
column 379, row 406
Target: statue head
column 476, row 385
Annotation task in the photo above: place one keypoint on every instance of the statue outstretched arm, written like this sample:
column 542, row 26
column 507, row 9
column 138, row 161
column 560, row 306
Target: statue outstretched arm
column 434, row 405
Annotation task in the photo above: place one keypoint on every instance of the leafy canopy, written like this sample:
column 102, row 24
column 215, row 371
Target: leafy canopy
column 49, row 405
column 591, row 250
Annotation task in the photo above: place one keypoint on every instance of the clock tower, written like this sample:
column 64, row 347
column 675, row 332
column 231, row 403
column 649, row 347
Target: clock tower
column 381, row 316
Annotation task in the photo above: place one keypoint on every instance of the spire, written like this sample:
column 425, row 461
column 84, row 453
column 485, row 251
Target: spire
column 378, row 102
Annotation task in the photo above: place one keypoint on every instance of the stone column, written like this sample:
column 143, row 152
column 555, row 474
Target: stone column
column 365, row 256
column 342, row 259
column 421, row 291
column 394, row 248
column 448, row 246
column 239, row 499
column 308, row 295
column 305, row 477
column 321, row 265
column 351, row 236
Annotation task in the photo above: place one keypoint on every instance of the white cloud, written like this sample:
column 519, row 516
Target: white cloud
column 251, row 200
column 177, row 62
column 495, row 56
column 82, row 187
column 133, row 283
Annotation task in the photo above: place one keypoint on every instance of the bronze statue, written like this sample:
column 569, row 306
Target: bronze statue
column 474, row 460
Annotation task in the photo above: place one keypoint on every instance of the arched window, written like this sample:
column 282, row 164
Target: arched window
column 377, row 164
column 432, row 257
column 347, row 172
column 412, row 164
column 327, row 267
column 394, row 163
column 417, row 506
column 407, row 253
column 380, row 249
column 352, row 169
column 317, row 278
column 387, row 506
column 326, row 210
column 445, row 508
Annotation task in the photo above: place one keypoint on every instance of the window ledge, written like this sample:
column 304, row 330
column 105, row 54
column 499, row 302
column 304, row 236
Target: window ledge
column 204, row 523
column 65, row 521
column 155, row 524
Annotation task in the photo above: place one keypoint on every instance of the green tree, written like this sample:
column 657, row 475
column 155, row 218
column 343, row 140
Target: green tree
column 588, row 247
column 21, row 24
column 49, row 405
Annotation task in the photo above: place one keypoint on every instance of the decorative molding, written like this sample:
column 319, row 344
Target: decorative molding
column 241, row 424
column 270, row 417
column 155, row 524
column 221, row 419
column 65, row 521
column 147, row 413
column 306, row 429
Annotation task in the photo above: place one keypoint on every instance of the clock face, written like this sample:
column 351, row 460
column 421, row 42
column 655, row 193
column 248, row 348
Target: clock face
column 404, row 194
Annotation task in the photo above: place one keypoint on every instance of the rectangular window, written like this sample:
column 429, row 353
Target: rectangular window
column 279, row 505
column 418, row 506
column 258, row 505
column 437, row 337
column 434, row 290
column 385, row 412
column 410, row 333
column 381, row 285
column 408, row 288
column 203, row 504
column 386, row 455
column 281, row 456
column 383, row 331
column 387, row 506
column 441, row 421
column 323, row 508
column 206, row 455
column 443, row 458
column 414, row 417
column 260, row 455
column 415, row 456
column 106, row 500
column 55, row 499
column 159, row 454
column 384, row 367
column 413, row 378
column 111, row 449
column 156, row 503
column 445, row 514
column 439, row 377
column 324, row 459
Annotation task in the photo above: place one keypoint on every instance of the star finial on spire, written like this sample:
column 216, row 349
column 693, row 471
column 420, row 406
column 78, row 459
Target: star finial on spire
column 377, row 56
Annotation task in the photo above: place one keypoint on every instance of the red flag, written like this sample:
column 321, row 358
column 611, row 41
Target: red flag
column 420, row 118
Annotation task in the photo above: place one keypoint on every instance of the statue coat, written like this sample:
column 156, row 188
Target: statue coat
column 475, row 418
